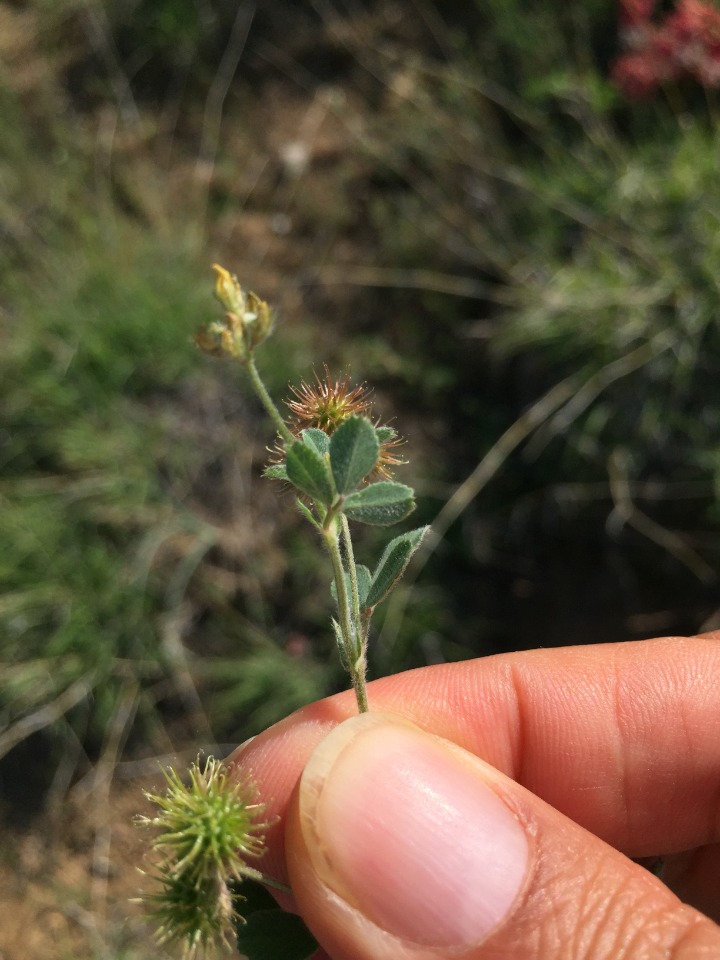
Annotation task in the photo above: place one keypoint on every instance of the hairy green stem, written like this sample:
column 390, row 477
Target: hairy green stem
column 360, row 688
column 350, row 628
column 360, row 623
column 352, row 570
column 266, row 400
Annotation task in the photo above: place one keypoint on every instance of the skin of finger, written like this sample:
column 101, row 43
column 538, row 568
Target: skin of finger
column 581, row 899
column 623, row 738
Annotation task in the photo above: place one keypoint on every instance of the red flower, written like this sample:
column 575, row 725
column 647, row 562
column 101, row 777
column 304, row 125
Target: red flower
column 685, row 44
column 635, row 75
column 695, row 21
column 634, row 12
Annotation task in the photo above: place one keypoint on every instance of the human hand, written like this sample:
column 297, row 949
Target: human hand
column 492, row 809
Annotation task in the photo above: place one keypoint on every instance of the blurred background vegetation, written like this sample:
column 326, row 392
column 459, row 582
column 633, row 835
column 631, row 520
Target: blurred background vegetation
column 454, row 200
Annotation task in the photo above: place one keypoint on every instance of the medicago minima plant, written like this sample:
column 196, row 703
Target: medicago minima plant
column 338, row 460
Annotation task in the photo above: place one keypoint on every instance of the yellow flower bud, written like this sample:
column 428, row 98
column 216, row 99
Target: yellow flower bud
column 228, row 290
column 207, row 340
column 248, row 320
column 259, row 319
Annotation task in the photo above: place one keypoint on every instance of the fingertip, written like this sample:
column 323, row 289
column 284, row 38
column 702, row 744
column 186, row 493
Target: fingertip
column 402, row 846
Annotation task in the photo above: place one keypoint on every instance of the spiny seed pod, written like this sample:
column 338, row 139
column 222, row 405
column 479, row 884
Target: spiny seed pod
column 208, row 828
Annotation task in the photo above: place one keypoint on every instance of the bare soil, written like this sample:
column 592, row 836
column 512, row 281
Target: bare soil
column 67, row 880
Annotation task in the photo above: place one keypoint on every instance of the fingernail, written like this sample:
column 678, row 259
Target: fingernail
column 405, row 828
column 239, row 749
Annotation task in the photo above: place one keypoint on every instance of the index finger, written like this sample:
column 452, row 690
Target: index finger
column 623, row 738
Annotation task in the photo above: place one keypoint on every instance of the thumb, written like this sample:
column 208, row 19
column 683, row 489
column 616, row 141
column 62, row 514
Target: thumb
column 404, row 846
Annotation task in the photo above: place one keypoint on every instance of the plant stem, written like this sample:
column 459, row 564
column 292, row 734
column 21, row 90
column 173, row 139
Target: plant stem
column 350, row 628
column 360, row 688
column 267, row 401
column 362, row 623
column 352, row 570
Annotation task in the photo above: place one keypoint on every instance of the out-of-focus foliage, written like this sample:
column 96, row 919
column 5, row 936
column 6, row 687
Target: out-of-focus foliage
column 496, row 219
column 588, row 226
column 118, row 446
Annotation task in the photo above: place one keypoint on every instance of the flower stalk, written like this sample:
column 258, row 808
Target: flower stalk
column 266, row 400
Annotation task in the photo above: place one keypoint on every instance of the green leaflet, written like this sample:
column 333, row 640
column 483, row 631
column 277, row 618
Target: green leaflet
column 380, row 504
column 317, row 439
column 354, row 452
column 393, row 562
column 309, row 472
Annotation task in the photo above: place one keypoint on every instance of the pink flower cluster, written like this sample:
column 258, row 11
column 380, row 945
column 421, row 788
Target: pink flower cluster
column 684, row 44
